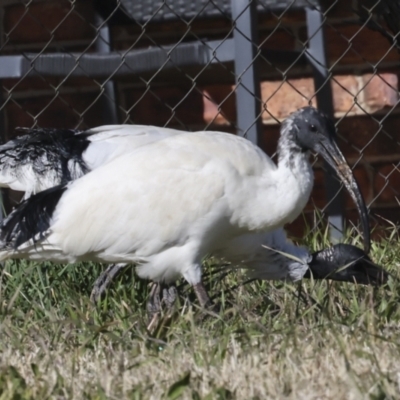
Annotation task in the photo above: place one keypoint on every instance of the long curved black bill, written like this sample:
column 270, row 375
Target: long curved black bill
column 334, row 157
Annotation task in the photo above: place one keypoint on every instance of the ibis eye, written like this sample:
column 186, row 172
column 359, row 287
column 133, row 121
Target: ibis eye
column 313, row 128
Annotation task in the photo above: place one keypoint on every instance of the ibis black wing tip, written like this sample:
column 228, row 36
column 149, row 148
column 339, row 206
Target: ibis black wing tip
column 362, row 266
column 347, row 263
column 31, row 219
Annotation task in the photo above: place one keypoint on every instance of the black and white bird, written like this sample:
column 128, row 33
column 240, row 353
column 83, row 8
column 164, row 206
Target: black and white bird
column 41, row 158
column 178, row 199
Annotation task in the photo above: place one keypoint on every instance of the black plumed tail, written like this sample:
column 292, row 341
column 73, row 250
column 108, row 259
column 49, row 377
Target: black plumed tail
column 31, row 219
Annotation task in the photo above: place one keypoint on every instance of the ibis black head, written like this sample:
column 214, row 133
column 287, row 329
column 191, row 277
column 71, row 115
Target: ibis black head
column 346, row 263
column 314, row 131
column 311, row 126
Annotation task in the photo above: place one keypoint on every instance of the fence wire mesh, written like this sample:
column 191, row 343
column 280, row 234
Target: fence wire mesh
column 80, row 64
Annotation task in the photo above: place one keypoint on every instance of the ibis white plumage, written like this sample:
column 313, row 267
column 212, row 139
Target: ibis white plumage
column 176, row 200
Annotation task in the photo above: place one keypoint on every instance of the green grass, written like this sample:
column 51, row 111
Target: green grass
column 311, row 340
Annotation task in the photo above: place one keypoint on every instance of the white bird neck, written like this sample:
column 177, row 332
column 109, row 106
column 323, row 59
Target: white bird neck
column 294, row 174
column 289, row 152
column 296, row 178
column 283, row 192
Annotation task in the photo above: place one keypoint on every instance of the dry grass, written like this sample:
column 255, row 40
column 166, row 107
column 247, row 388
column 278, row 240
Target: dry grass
column 270, row 341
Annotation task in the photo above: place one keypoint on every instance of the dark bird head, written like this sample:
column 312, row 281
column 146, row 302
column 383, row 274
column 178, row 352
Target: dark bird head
column 312, row 130
column 346, row 263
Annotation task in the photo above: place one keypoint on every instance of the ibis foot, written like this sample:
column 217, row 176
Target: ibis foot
column 209, row 309
column 168, row 297
column 104, row 280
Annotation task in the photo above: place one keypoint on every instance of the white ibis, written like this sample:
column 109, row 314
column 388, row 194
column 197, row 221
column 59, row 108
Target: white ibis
column 176, row 200
column 271, row 256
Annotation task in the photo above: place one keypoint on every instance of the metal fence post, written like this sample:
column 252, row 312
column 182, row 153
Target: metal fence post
column 247, row 79
column 316, row 55
column 2, row 112
column 103, row 45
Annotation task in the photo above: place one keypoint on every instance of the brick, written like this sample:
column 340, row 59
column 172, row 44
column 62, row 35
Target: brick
column 296, row 229
column 306, row 221
column 277, row 39
column 363, row 135
column 364, row 177
column 167, row 105
column 349, row 45
column 380, row 90
column 353, row 44
column 372, row 93
column 286, row 17
column 63, row 112
column 39, row 21
column 383, row 217
column 281, row 98
column 340, row 9
column 47, row 83
column 219, row 104
column 359, row 135
column 387, row 184
column 345, row 89
column 269, row 138
column 34, row 83
column 318, row 195
column 379, row 212
column 352, row 219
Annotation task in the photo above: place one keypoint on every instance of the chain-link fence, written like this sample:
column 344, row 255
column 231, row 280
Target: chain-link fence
column 233, row 65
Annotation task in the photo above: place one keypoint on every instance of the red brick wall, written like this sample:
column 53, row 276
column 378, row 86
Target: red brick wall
column 365, row 86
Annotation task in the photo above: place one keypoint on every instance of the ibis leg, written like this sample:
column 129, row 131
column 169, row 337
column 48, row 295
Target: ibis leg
column 104, row 280
column 202, row 295
column 154, row 302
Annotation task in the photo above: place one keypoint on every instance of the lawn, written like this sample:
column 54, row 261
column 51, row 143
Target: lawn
column 313, row 340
